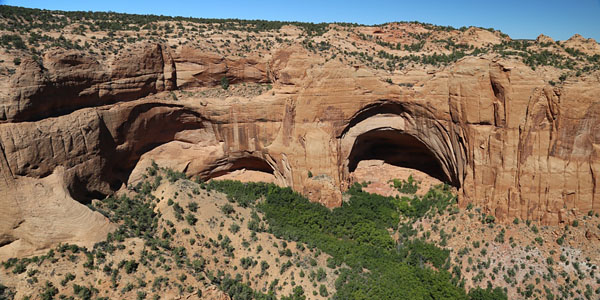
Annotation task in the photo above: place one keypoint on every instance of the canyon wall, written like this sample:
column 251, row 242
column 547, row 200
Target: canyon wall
column 75, row 130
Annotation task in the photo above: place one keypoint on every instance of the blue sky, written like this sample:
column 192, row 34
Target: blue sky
column 519, row 19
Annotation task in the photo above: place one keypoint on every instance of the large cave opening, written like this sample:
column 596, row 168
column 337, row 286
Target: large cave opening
column 378, row 156
column 396, row 148
column 245, row 169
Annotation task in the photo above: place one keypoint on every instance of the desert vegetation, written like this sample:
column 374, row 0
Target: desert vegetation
column 175, row 245
column 357, row 237
column 181, row 237
column 258, row 241
column 104, row 34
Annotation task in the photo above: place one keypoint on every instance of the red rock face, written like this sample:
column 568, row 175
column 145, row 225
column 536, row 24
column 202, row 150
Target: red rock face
column 196, row 68
column 67, row 80
column 508, row 141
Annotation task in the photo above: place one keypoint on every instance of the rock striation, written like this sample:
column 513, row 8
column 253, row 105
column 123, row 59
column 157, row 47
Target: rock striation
column 508, row 141
column 197, row 68
column 66, row 80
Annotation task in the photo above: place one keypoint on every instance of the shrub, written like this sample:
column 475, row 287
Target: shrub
column 49, row 291
column 562, row 77
column 173, row 176
column 560, row 240
column 68, row 277
column 254, row 225
column 193, row 206
column 234, row 228
column 285, row 266
column 323, row 291
column 263, row 266
column 321, row 275
column 535, row 229
column 84, row 293
column 227, row 209
column 191, row 219
column 487, row 294
column 140, row 295
column 198, row 265
column 409, row 186
column 247, row 262
column 287, row 252
column 224, row 82
column 130, row 266
column 21, row 267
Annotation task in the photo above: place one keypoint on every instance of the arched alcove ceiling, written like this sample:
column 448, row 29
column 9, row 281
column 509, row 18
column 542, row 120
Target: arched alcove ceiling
column 373, row 109
column 402, row 136
column 396, row 148
column 248, row 163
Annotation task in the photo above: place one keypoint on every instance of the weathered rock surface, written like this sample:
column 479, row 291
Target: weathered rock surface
column 544, row 39
column 587, row 46
column 196, row 68
column 40, row 213
column 508, row 141
column 66, row 80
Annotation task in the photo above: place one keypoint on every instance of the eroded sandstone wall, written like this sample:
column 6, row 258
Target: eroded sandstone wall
column 508, row 141
column 66, row 80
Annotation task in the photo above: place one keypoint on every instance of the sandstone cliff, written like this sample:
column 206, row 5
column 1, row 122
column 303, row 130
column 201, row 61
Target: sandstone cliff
column 66, row 80
column 76, row 129
column 198, row 68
